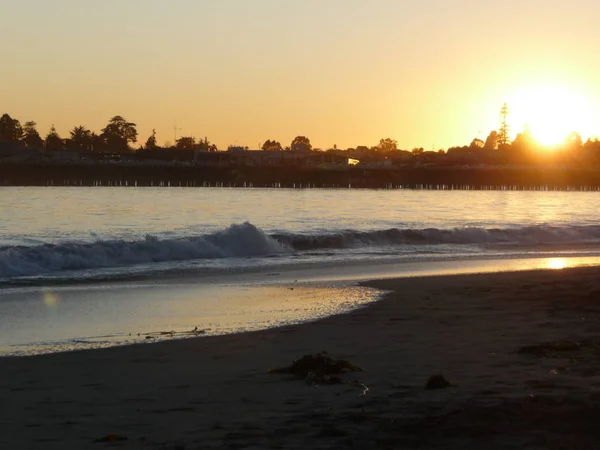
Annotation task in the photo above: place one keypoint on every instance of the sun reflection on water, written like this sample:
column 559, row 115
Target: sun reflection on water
column 556, row 263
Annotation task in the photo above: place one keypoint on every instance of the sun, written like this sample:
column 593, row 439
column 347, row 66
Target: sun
column 551, row 113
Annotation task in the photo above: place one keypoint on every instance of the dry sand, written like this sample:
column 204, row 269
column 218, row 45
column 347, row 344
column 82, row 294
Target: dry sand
column 214, row 392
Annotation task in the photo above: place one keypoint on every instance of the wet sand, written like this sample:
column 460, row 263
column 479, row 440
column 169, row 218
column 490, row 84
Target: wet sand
column 521, row 350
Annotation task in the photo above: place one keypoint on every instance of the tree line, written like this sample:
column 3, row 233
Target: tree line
column 119, row 135
column 116, row 136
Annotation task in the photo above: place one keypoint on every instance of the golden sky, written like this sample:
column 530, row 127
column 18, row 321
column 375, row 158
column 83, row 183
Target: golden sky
column 428, row 73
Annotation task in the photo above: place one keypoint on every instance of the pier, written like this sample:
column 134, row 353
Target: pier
column 431, row 178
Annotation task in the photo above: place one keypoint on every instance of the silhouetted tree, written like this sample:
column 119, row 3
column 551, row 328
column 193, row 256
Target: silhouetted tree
column 271, row 145
column 591, row 149
column 301, row 144
column 476, row 144
column 592, row 143
column 151, row 141
column 31, row 137
column 53, row 140
column 206, row 145
column 491, row 142
column 574, row 141
column 387, row 145
column 185, row 143
column 10, row 129
column 119, row 133
column 81, row 139
column 417, row 151
column 97, row 142
column 522, row 148
column 503, row 138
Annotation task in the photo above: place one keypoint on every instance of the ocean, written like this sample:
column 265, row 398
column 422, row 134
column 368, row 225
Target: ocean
column 86, row 267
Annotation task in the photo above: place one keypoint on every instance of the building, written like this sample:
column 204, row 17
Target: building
column 261, row 158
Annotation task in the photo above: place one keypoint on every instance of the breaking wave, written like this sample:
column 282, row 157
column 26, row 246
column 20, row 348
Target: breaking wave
column 246, row 240
column 532, row 235
column 241, row 240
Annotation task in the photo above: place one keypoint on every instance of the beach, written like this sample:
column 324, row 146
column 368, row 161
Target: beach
column 521, row 351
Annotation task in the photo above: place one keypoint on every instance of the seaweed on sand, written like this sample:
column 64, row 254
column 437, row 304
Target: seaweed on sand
column 318, row 368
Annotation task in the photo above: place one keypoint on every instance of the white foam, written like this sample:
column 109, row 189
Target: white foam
column 246, row 240
column 238, row 240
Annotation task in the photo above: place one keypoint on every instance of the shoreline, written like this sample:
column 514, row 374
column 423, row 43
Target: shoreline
column 339, row 269
column 56, row 318
column 214, row 392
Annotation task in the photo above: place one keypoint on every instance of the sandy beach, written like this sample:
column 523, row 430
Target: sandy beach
column 520, row 349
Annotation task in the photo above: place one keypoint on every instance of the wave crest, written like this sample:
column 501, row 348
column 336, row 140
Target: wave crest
column 532, row 235
column 246, row 240
column 238, row 240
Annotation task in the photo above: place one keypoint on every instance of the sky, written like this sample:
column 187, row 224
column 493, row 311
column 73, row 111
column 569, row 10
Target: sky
column 427, row 73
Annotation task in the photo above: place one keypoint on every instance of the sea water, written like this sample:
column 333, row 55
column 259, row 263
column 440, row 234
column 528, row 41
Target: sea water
column 80, row 267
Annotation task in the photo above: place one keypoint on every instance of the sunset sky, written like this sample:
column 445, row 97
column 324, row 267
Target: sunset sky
column 428, row 73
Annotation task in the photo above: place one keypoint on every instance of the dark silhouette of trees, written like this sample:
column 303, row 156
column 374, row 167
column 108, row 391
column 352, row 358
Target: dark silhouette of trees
column 81, row 139
column 592, row 143
column 591, row 149
column 272, row 145
column 53, row 140
column 118, row 134
column 31, row 137
column 503, row 137
column 151, row 141
column 387, row 145
column 522, row 148
column 97, row 141
column 10, row 129
column 574, row 141
column 205, row 145
column 185, row 143
column 301, row 144
column 573, row 151
column 491, row 142
column 477, row 144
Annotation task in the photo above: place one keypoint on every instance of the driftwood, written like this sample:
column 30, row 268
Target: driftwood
column 158, row 334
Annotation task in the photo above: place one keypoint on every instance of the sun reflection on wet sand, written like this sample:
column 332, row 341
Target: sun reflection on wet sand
column 50, row 299
column 99, row 316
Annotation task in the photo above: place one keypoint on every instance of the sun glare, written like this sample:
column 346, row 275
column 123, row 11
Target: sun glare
column 551, row 113
column 556, row 263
